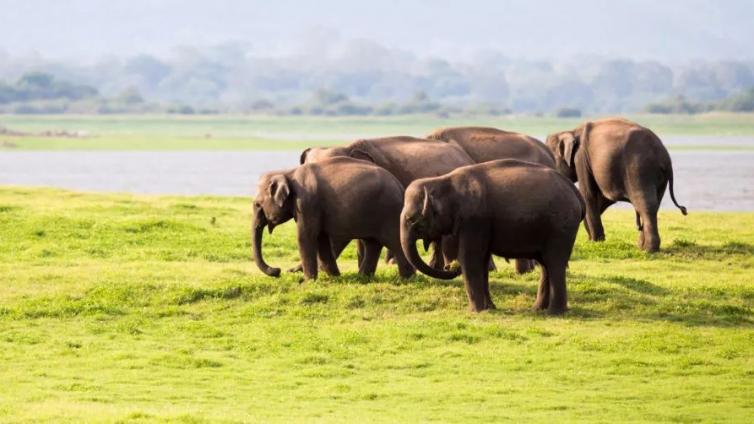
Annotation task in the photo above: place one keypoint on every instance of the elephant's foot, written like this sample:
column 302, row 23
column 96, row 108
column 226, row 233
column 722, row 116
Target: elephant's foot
column 482, row 305
column 598, row 237
column 650, row 245
column 540, row 304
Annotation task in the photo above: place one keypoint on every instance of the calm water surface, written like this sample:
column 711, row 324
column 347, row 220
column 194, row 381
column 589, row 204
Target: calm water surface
column 714, row 180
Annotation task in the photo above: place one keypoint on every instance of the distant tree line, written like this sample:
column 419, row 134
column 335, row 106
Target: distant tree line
column 364, row 78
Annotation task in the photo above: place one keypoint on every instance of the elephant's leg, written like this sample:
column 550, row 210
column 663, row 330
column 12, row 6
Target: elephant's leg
column 359, row 252
column 543, row 292
column 372, row 250
column 437, row 261
column 337, row 248
column 593, row 220
column 449, row 250
column 405, row 269
column 474, row 258
column 307, row 248
column 649, row 237
column 326, row 257
column 389, row 257
column 556, row 274
column 524, row 265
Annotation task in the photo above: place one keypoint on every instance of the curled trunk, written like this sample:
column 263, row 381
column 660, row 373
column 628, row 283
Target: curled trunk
column 258, row 229
column 408, row 242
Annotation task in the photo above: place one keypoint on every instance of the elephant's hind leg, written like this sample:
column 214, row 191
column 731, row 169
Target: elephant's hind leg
column 649, row 234
column 326, row 257
column 368, row 264
column 524, row 266
column 543, row 292
column 554, row 265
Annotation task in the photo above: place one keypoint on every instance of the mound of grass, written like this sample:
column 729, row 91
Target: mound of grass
column 140, row 309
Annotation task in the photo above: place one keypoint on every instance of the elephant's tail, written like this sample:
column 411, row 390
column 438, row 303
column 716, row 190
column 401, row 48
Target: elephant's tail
column 672, row 194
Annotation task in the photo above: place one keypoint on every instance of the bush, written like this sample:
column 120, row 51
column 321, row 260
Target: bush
column 743, row 102
column 678, row 104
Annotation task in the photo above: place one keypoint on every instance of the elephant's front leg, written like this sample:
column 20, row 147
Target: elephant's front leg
column 437, row 261
column 474, row 257
column 308, row 248
column 593, row 220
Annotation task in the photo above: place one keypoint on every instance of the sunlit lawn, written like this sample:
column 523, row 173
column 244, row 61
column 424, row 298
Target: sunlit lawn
column 135, row 308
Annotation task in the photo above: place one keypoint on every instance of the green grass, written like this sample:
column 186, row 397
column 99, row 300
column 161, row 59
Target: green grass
column 228, row 132
column 122, row 308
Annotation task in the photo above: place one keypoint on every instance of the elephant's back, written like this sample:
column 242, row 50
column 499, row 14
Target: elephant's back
column 526, row 190
column 346, row 173
column 410, row 158
column 484, row 144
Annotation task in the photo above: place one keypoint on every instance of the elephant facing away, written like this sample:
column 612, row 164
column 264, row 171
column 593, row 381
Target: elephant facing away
column 615, row 160
column 407, row 158
column 484, row 144
column 490, row 210
column 332, row 201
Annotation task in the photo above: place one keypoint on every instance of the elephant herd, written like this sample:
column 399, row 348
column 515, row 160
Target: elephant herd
column 470, row 193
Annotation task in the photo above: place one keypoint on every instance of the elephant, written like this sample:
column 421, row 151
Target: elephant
column 407, row 158
column 490, row 209
column 484, row 144
column 332, row 201
column 613, row 160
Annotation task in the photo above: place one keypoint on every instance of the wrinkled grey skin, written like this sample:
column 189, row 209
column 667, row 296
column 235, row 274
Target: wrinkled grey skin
column 407, row 158
column 332, row 201
column 484, row 144
column 616, row 160
column 482, row 207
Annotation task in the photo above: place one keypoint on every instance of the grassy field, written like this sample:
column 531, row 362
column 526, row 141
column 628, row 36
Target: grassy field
column 139, row 309
column 225, row 132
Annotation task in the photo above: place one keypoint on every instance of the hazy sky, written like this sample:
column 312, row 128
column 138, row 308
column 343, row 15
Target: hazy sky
column 667, row 30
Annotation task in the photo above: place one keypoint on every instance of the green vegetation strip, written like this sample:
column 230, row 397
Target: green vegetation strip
column 121, row 308
column 228, row 132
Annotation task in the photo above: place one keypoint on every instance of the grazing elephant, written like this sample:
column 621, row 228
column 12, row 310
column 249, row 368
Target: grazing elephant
column 490, row 209
column 407, row 158
column 484, row 144
column 617, row 160
column 332, row 201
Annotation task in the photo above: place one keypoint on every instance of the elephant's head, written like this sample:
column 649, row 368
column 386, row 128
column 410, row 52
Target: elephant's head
column 273, row 206
column 428, row 214
column 563, row 146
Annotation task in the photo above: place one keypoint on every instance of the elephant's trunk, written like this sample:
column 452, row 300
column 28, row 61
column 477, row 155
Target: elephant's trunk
column 408, row 242
column 258, row 229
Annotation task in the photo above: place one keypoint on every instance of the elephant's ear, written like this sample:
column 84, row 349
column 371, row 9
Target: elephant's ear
column 569, row 143
column 279, row 189
column 302, row 158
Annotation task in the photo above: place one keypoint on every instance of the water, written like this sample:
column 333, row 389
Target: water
column 704, row 180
